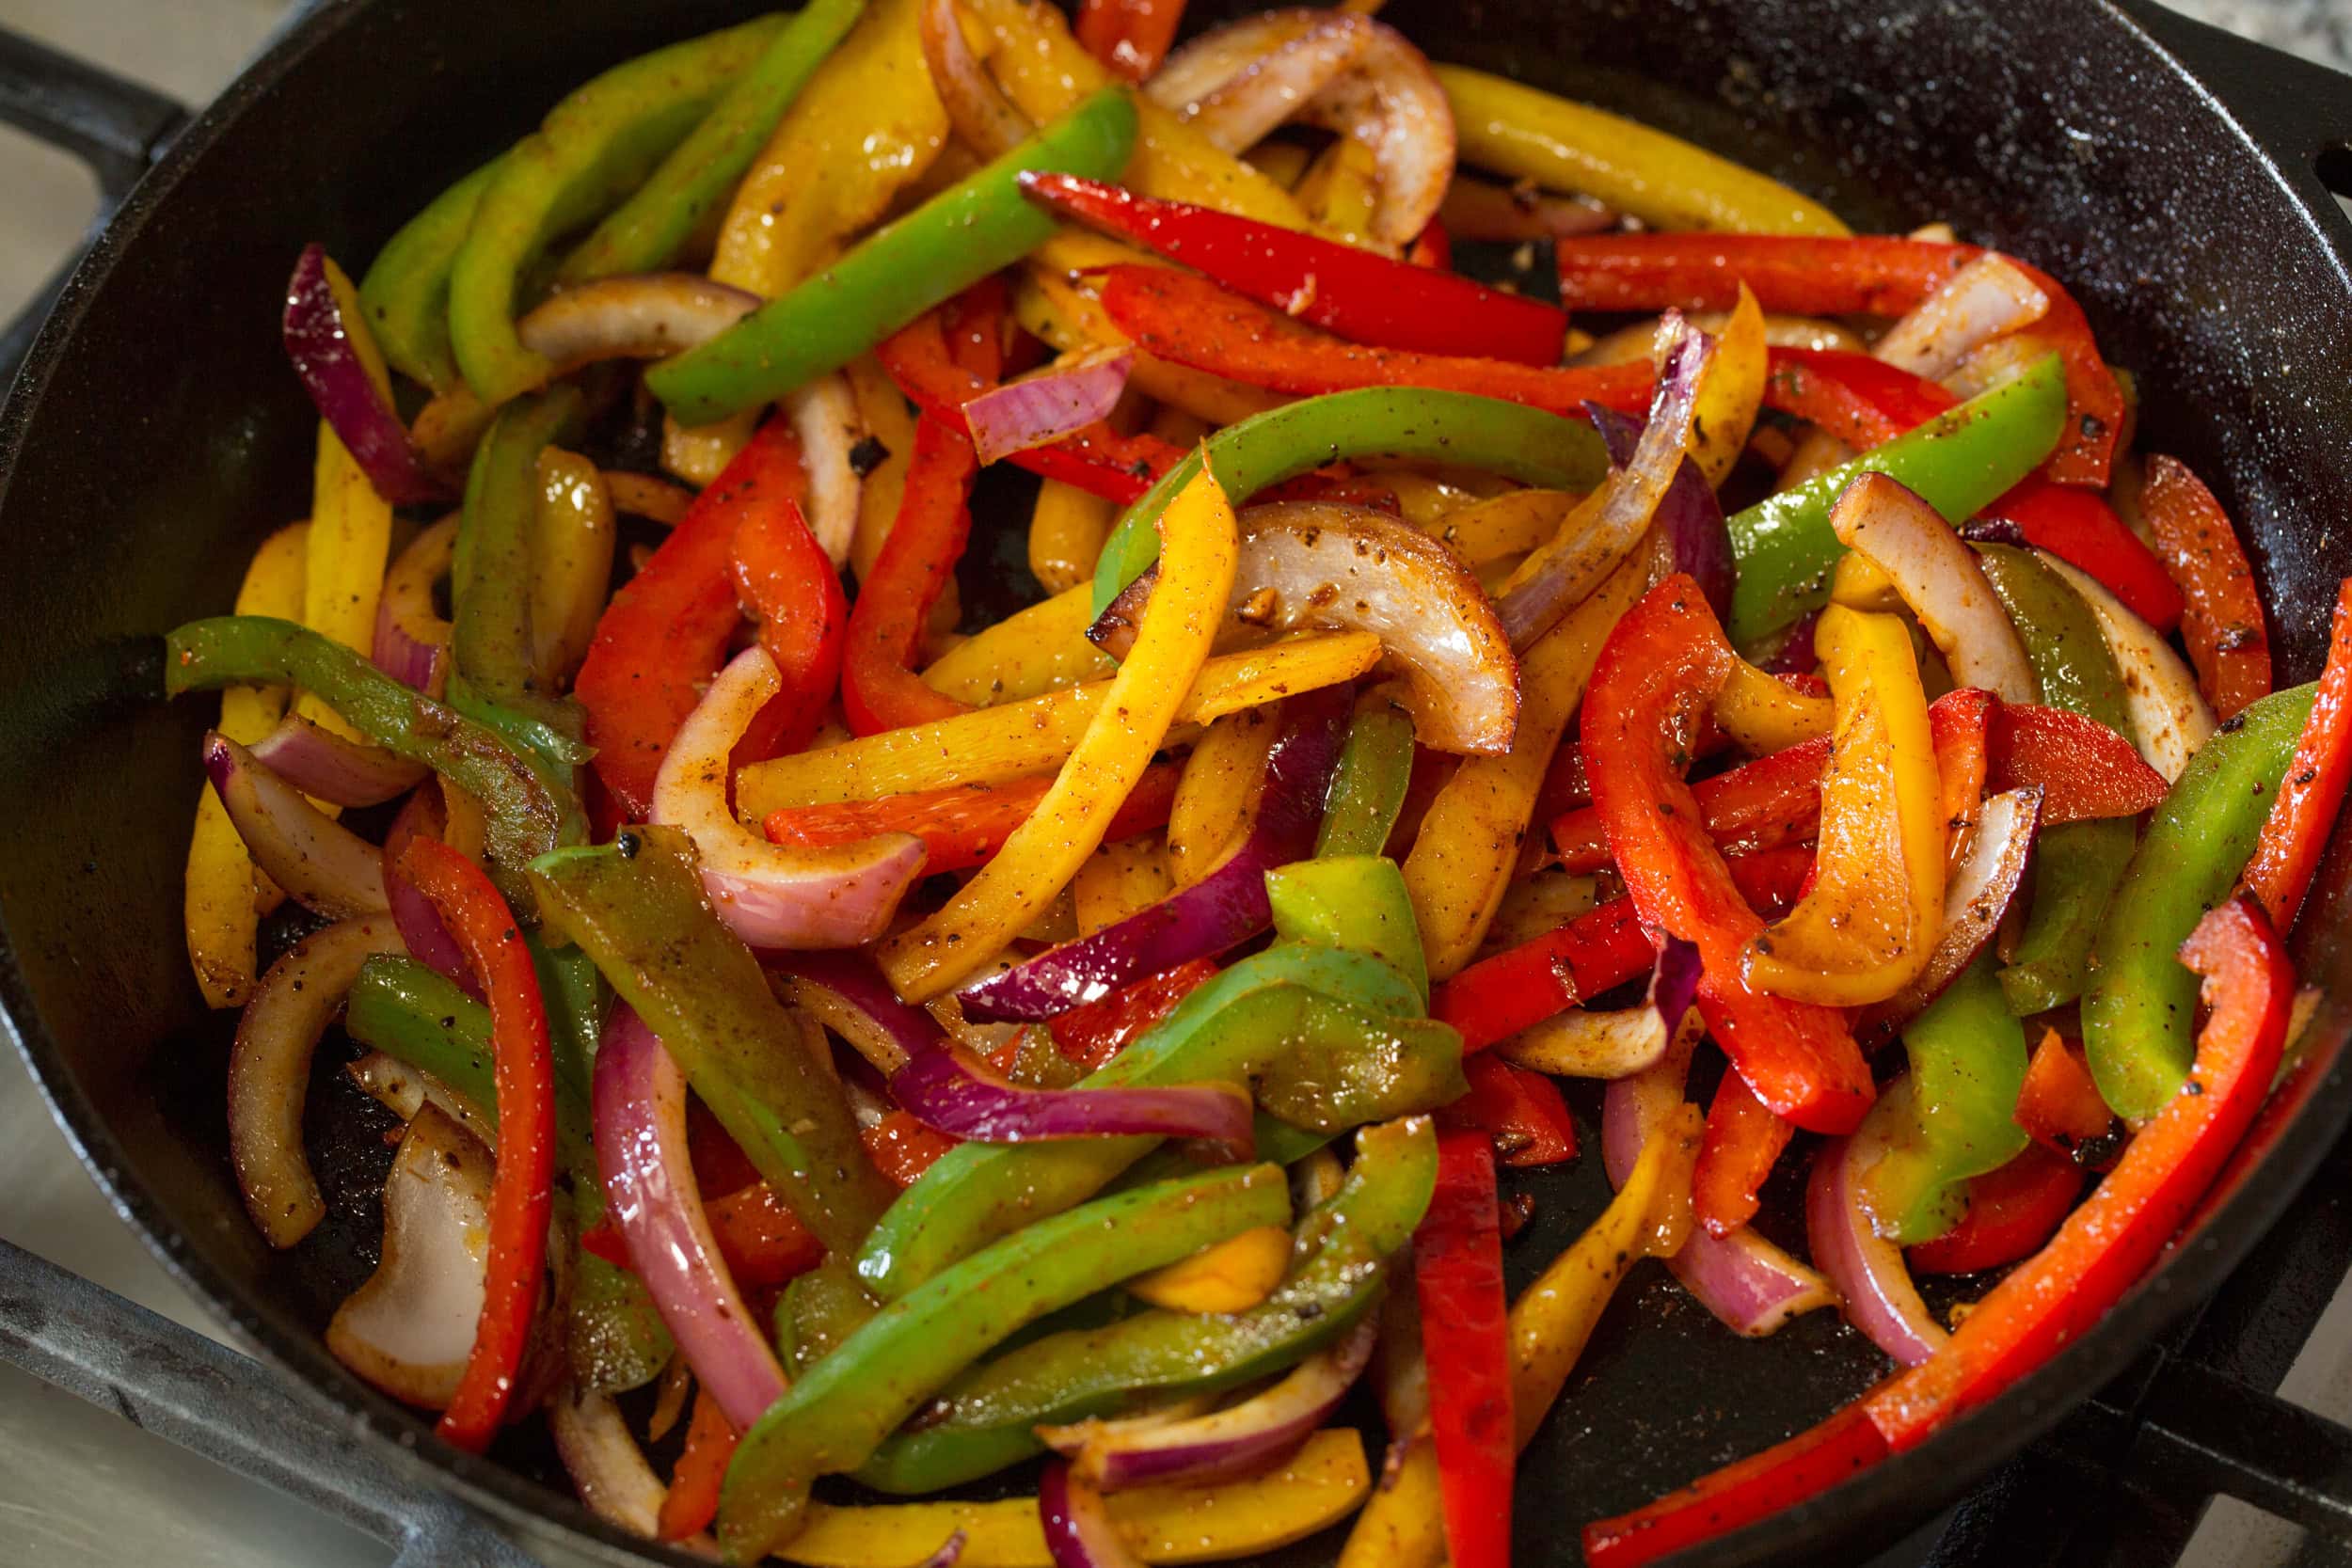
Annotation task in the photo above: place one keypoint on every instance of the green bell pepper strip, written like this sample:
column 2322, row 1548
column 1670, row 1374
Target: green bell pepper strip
column 1368, row 788
column 835, row 1417
column 636, row 905
column 1960, row 462
column 818, row 1311
column 527, row 810
column 654, row 227
column 1228, row 1030
column 594, row 147
column 1342, row 1256
column 408, row 1012
column 2140, row 1013
column 975, row 227
column 1459, row 428
column 2077, row 864
column 1345, row 1067
column 1354, row 902
column 491, row 568
column 1955, row 1116
column 404, row 295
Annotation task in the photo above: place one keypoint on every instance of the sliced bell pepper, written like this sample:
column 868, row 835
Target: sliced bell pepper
column 2082, row 530
column 1066, row 532
column 1743, row 1142
column 2084, row 768
column 952, row 241
column 492, row 571
column 522, row 1188
column 1662, row 664
column 597, row 145
column 1129, row 35
column 2310, row 792
column 666, row 631
column 963, row 825
column 2075, row 866
column 1868, row 273
column 1368, row 789
column 405, row 291
column 348, row 543
column 1954, row 1117
column 786, row 582
column 2058, row 1105
column 2138, row 1008
column 1517, row 1109
column 1360, row 295
column 1867, row 925
column 1458, row 1271
column 1092, row 1035
column 1029, row 653
column 2223, row 627
column 2106, row 1245
column 880, row 689
column 2010, row 1213
column 1354, row 902
column 1731, row 393
column 692, row 1498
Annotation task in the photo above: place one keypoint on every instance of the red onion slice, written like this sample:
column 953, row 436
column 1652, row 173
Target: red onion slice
column 1940, row 580
column 846, row 993
column 1075, row 392
column 269, row 1073
column 411, row 639
column 641, row 316
column 593, row 1439
column 948, row 1091
column 1986, row 298
column 1560, row 575
column 1248, row 1437
column 325, row 766
column 1331, row 566
column 409, row 1329
column 421, row 928
column 1975, row 898
column 1078, row 1529
column 1238, row 112
column 351, row 395
column 1881, row 1300
column 320, row 864
column 977, row 110
column 1226, row 906
column 1579, row 1043
column 1689, row 515
column 825, row 418
column 639, row 1112
column 2170, row 718
column 769, row 895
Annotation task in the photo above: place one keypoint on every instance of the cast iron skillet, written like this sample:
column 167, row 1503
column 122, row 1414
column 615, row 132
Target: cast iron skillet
column 156, row 436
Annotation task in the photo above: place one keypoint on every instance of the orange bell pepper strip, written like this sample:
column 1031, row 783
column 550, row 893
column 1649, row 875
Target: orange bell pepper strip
column 1457, row 1273
column 763, row 1242
column 2309, row 795
column 522, row 1194
column 2010, row 1213
column 1093, row 1034
column 1131, row 36
column 1663, row 663
column 1823, row 276
column 2222, row 626
column 784, row 581
column 1867, row 925
column 880, row 689
column 1743, row 1142
column 666, row 631
column 2058, row 1105
column 1520, row 1110
column 692, row 1500
column 962, row 825
column 2110, row 1241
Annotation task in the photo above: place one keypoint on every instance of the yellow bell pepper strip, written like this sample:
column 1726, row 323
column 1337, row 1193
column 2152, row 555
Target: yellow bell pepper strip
column 654, row 227
column 1123, row 878
column 1066, row 532
column 883, row 458
column 1027, row 653
column 1011, row 742
column 1665, row 181
column 1960, row 461
column 840, row 1411
column 1217, row 796
column 1231, row 1276
column 1732, row 391
column 1763, row 714
column 1867, row 925
column 571, row 546
column 1199, row 547
column 493, row 572
column 1468, row 848
column 944, row 247
column 594, row 147
column 405, row 291
column 861, row 132
column 1315, row 1489
column 224, row 892
column 1509, row 525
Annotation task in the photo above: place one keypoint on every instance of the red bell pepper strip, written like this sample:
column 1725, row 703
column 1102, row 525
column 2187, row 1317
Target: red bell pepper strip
column 2228, row 640
column 902, row 1148
column 1600, row 950
column 2309, row 795
column 784, row 580
column 1432, row 248
column 2010, row 1213
column 522, row 1188
column 1863, row 401
column 2111, row 1239
column 1092, row 1035
column 962, row 825
column 1129, row 35
column 692, row 1500
column 665, row 633
column 1520, row 1110
column 2059, row 1105
column 1740, row 1493
column 1866, row 274
column 1457, row 1272
column 880, row 689
column 2086, row 769
column 1195, row 322
column 763, row 1242
column 1359, row 295
column 1743, row 1142
column 1665, row 662
column 1096, row 460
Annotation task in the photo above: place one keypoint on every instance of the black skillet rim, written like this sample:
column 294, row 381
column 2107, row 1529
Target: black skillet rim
column 1897, row 1492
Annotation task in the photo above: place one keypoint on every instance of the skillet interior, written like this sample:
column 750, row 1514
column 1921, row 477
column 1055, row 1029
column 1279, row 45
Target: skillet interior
column 156, row 437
